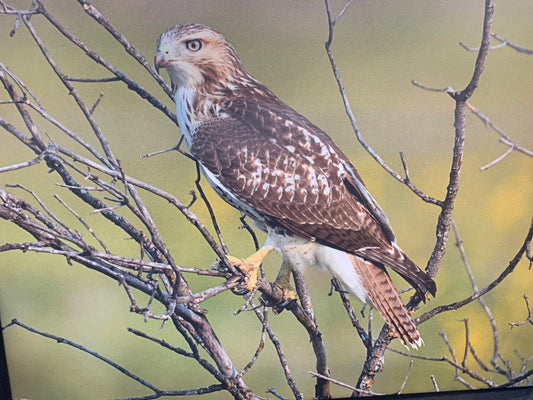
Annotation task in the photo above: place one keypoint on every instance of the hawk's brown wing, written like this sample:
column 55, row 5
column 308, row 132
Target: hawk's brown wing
column 274, row 162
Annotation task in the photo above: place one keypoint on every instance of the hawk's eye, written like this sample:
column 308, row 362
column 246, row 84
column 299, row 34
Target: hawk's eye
column 194, row 45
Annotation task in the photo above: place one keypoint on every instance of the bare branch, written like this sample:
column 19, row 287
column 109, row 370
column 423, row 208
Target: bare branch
column 435, row 385
column 445, row 217
column 503, row 43
column 264, row 326
column 513, row 46
column 486, row 309
column 509, row 269
column 120, row 38
column 203, row 362
column 462, row 96
column 365, row 337
column 474, row 49
column 131, row 84
column 504, row 138
column 351, row 116
column 82, row 221
column 110, row 158
column 528, row 318
column 322, row 389
column 26, row 164
column 23, row 88
column 339, row 383
column 298, row 395
column 93, row 353
column 406, row 377
column 497, row 160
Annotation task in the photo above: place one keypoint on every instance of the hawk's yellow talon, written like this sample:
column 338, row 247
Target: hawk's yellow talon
column 289, row 294
column 249, row 266
column 283, row 280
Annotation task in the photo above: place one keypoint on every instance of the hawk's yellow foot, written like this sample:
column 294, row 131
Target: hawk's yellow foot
column 250, row 265
column 283, row 280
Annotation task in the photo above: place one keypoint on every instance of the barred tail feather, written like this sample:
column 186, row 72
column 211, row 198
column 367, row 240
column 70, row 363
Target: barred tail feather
column 383, row 295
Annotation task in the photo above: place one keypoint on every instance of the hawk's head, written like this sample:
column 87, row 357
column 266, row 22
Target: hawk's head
column 196, row 55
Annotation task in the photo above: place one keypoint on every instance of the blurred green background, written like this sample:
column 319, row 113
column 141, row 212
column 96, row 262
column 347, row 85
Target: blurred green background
column 379, row 47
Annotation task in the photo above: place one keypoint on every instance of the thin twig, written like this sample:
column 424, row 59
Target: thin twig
column 504, row 138
column 22, row 165
column 435, row 385
column 131, row 84
column 508, row 270
column 91, row 80
column 528, row 319
column 281, row 355
column 351, row 116
column 77, row 346
column 261, row 345
column 406, row 377
column 85, row 224
column 19, row 83
column 513, row 46
column 497, row 160
column 454, row 362
column 128, row 46
column 110, row 158
column 481, row 301
column 98, row 100
column 67, row 230
column 207, row 204
column 308, row 321
column 342, row 384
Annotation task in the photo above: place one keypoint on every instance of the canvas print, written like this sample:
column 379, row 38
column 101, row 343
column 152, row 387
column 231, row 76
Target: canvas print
column 266, row 200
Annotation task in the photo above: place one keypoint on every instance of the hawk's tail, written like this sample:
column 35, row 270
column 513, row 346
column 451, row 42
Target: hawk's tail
column 383, row 295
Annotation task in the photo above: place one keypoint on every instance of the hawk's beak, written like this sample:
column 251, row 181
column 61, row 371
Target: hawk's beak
column 161, row 61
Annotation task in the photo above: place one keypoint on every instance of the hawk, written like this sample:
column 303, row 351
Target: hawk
column 286, row 174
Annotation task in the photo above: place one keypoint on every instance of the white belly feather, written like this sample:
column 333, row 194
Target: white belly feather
column 300, row 253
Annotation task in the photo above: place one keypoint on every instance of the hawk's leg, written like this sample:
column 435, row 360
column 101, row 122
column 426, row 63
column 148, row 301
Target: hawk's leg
column 250, row 265
column 283, row 280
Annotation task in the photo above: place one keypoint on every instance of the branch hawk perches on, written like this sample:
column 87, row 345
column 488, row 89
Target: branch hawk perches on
column 275, row 166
